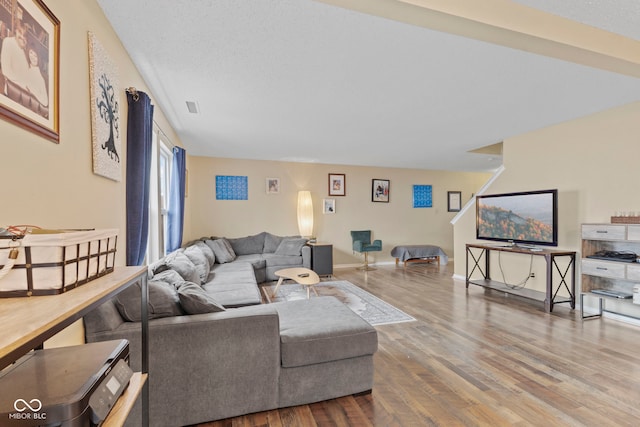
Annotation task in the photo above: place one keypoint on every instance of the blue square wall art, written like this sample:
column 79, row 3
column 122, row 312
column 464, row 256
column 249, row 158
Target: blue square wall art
column 232, row 187
column 422, row 196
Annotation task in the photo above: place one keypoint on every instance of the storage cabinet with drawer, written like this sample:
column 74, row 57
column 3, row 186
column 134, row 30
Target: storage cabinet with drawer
column 602, row 271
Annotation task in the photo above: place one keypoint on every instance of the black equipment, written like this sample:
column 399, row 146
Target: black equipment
column 68, row 386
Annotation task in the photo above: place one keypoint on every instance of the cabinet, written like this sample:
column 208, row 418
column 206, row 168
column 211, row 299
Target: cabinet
column 608, row 274
column 29, row 321
column 322, row 258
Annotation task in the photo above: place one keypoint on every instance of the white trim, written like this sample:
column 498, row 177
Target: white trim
column 482, row 189
column 374, row 264
column 621, row 318
column 360, row 264
column 164, row 136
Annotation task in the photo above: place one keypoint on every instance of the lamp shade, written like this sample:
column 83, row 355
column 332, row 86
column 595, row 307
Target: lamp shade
column 305, row 213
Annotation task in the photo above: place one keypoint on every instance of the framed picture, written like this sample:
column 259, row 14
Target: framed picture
column 328, row 206
column 273, row 185
column 229, row 187
column 337, row 184
column 380, row 190
column 29, row 64
column 454, row 201
column 422, row 196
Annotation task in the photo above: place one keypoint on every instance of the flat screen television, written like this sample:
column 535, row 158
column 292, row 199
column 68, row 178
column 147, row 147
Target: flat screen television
column 529, row 218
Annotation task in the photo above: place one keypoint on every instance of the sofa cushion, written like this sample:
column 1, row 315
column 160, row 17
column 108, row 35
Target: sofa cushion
column 222, row 250
column 273, row 260
column 248, row 245
column 240, row 295
column 233, row 285
column 163, row 301
column 290, row 246
column 195, row 300
column 257, row 261
column 199, row 259
column 322, row 330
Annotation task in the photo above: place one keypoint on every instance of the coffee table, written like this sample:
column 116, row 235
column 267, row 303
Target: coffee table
column 302, row 276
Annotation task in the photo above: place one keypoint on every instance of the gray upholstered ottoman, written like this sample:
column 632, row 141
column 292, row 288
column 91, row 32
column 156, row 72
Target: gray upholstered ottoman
column 326, row 351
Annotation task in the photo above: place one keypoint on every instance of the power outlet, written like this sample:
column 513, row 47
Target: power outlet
column 532, row 275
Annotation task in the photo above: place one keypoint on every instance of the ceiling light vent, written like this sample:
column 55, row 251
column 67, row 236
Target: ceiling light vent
column 193, row 107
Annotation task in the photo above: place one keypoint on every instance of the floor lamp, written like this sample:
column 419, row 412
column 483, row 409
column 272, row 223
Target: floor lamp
column 305, row 214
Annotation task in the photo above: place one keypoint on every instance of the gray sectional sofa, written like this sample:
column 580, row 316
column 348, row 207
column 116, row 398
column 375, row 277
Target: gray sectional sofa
column 216, row 352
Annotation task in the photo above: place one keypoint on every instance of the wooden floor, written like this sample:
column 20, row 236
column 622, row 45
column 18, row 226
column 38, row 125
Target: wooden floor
column 480, row 359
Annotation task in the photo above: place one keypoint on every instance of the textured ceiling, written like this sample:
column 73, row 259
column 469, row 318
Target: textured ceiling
column 298, row 80
column 618, row 16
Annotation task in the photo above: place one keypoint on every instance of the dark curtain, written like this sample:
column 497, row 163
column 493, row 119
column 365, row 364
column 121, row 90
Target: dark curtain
column 175, row 219
column 139, row 141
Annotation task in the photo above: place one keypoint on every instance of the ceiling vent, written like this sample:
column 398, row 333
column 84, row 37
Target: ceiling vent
column 193, row 107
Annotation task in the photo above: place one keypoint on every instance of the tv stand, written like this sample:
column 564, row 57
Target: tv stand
column 477, row 252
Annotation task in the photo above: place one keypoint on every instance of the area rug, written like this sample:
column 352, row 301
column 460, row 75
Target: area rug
column 369, row 307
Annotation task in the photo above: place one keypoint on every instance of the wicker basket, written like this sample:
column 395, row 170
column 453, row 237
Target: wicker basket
column 49, row 264
column 625, row 220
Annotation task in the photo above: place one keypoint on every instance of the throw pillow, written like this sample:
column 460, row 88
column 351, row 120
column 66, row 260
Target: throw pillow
column 206, row 250
column 198, row 258
column 163, row 301
column 157, row 267
column 168, row 276
column 290, row 246
column 179, row 262
column 222, row 250
column 195, row 300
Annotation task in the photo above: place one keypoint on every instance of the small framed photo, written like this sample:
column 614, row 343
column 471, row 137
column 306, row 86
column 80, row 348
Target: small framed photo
column 454, row 201
column 337, row 184
column 273, row 185
column 328, row 206
column 380, row 190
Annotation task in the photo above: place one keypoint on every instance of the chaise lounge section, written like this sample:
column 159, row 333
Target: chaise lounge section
column 216, row 352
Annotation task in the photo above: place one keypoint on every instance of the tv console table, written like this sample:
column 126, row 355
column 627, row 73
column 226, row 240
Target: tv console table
column 476, row 252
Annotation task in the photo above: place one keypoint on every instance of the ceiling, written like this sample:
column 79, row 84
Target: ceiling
column 306, row 81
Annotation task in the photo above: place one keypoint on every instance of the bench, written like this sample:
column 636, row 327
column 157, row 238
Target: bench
column 419, row 253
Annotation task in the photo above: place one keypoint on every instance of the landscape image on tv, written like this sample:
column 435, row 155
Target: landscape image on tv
column 520, row 217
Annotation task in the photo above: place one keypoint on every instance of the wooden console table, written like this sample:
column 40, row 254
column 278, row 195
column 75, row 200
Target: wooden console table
column 550, row 296
column 29, row 321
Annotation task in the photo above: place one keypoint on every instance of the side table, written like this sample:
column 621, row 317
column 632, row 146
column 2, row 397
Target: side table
column 322, row 258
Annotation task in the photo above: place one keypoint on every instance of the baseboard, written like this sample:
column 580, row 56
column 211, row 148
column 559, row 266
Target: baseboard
column 373, row 264
column 621, row 318
column 337, row 266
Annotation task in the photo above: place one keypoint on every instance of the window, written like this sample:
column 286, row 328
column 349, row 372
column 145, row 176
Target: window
column 162, row 157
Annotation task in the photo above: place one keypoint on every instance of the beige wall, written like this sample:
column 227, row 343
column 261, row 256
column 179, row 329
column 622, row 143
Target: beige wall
column 53, row 185
column 592, row 161
column 395, row 223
